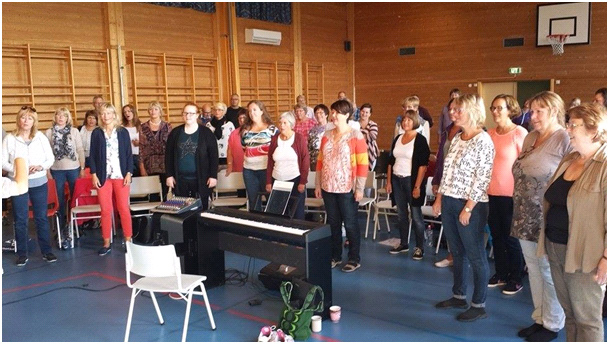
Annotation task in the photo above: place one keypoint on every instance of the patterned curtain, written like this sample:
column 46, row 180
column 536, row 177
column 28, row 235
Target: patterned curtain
column 277, row 12
column 207, row 7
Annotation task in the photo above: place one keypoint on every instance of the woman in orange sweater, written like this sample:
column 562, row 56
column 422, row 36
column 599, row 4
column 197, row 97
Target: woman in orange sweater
column 342, row 168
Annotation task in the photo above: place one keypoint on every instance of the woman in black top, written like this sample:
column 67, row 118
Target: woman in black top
column 408, row 159
column 191, row 158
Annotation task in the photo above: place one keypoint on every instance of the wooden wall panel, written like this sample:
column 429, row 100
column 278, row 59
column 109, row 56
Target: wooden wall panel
column 324, row 30
column 155, row 29
column 458, row 44
column 75, row 24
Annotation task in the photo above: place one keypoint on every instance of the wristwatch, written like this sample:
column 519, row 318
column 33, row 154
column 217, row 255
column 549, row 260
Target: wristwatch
column 467, row 210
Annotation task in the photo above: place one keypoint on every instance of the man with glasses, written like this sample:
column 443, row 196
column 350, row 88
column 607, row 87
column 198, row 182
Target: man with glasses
column 205, row 116
column 232, row 113
column 191, row 158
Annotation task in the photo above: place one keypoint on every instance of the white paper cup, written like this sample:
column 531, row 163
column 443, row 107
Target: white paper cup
column 335, row 314
column 316, row 323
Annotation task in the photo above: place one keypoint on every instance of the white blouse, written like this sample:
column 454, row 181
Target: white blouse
column 286, row 160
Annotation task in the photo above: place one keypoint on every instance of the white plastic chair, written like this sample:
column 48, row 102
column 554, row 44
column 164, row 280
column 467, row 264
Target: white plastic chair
column 232, row 183
column 366, row 203
column 144, row 187
column 160, row 269
column 312, row 204
column 427, row 211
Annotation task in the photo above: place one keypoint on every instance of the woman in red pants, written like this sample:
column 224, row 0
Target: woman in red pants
column 111, row 162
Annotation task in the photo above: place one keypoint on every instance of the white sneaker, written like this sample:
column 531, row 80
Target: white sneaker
column 444, row 263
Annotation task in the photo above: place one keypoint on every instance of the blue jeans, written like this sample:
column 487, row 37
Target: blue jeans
column 61, row 176
column 342, row 207
column 467, row 244
column 402, row 193
column 38, row 197
column 255, row 181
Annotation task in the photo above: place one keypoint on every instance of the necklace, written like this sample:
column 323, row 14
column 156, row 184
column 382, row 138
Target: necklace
column 157, row 123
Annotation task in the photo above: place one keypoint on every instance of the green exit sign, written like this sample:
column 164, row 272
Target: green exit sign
column 515, row 70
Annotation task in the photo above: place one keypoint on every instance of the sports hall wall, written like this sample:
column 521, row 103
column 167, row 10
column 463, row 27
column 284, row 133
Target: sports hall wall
column 62, row 54
column 457, row 44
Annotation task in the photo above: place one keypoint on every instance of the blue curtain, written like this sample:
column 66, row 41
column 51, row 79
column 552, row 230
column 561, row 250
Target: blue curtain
column 277, row 12
column 207, row 7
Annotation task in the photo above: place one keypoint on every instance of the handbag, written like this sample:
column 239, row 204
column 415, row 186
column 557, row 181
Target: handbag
column 295, row 318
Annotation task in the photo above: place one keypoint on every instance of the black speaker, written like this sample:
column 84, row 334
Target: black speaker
column 347, row 45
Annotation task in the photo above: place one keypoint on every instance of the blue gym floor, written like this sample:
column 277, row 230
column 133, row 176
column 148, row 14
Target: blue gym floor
column 83, row 297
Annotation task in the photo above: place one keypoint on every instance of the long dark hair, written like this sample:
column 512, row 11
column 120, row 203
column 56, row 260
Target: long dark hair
column 266, row 118
column 136, row 119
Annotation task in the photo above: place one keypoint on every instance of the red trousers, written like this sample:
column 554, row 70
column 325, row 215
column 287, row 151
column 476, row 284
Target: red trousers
column 121, row 199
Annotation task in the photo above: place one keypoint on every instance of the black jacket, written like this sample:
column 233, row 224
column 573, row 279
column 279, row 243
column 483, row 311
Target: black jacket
column 97, row 156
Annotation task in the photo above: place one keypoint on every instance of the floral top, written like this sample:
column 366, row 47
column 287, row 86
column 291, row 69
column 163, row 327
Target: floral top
column 315, row 135
column 336, row 169
column 467, row 168
column 152, row 147
column 113, row 164
column 532, row 172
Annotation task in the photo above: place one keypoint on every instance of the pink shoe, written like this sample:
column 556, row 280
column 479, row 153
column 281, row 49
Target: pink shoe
column 265, row 333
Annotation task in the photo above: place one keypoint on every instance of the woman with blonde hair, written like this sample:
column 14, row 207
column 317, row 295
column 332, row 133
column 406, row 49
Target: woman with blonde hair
column 131, row 122
column 221, row 126
column 153, row 144
column 462, row 200
column 27, row 142
column 573, row 233
column 542, row 151
column 111, row 171
column 69, row 158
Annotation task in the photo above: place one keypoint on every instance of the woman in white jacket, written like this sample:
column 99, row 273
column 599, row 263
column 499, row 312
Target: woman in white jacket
column 27, row 142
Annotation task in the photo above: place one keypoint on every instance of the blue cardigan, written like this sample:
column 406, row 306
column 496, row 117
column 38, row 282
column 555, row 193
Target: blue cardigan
column 97, row 155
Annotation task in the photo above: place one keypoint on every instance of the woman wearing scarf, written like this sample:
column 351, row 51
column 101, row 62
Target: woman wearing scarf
column 69, row 157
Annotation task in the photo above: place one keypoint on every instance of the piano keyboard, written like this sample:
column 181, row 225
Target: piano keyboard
column 251, row 223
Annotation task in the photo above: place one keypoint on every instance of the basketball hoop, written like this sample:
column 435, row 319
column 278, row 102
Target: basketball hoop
column 558, row 41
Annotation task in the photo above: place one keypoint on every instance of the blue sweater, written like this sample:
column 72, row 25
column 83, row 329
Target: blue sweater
column 97, row 154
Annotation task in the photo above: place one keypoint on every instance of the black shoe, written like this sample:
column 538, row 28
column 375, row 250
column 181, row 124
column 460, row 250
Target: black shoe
column 104, row 251
column 543, row 335
column 400, row 249
column 452, row 303
column 495, row 281
column 49, row 257
column 21, row 261
column 418, row 254
column 525, row 332
column 472, row 314
column 512, row 288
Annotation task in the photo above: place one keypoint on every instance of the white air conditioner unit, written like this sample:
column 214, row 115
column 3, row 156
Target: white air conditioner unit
column 262, row 36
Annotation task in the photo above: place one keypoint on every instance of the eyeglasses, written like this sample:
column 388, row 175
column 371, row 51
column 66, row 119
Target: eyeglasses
column 573, row 125
column 27, row 107
column 498, row 108
column 455, row 110
column 189, row 114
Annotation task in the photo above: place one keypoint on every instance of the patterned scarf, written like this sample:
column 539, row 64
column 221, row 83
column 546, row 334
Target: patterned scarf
column 61, row 147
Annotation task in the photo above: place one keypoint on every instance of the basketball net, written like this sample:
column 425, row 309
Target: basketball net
column 558, row 42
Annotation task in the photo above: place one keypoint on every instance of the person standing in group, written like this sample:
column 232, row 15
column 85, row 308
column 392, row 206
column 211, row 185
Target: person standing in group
column 445, row 120
column 463, row 202
column 408, row 160
column 232, row 113
column 289, row 161
column 86, row 131
column 153, row 143
column 206, row 115
column 131, row 122
column 542, row 151
column 29, row 143
column 574, row 228
column 317, row 132
column 412, row 103
column 342, row 169
column 234, row 153
column 303, row 123
column 370, row 130
column 600, row 97
column 508, row 139
column 69, row 162
column 191, row 160
column 111, row 166
column 222, row 127
column 256, row 135
column 445, row 140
